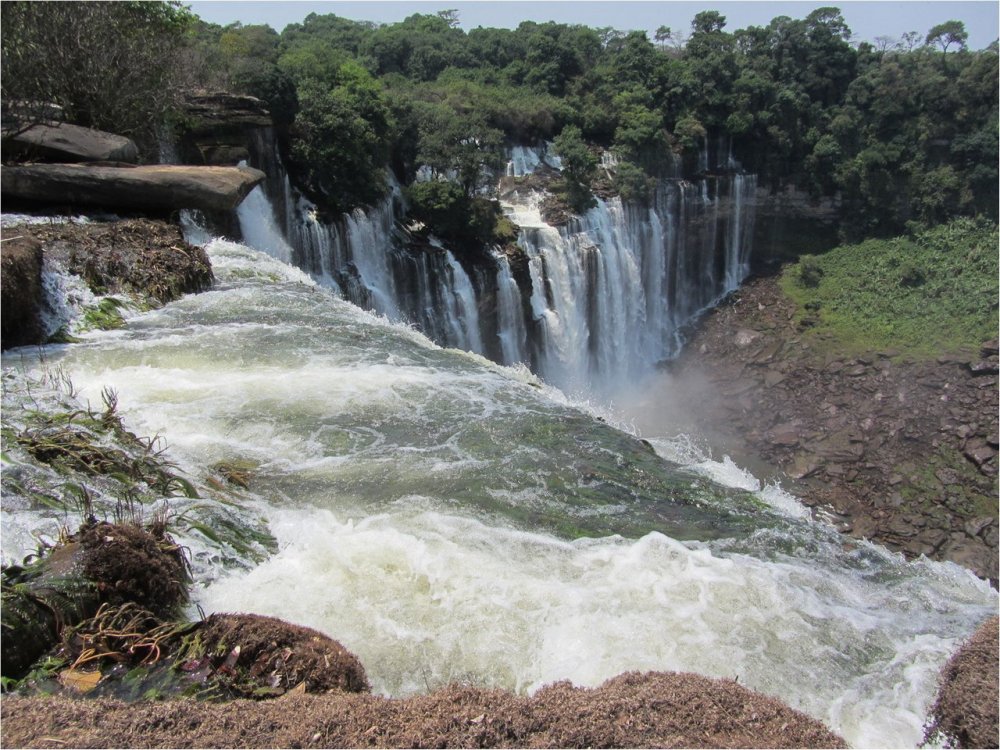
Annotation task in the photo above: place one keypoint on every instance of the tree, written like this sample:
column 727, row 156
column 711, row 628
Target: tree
column 451, row 16
column 579, row 167
column 947, row 34
column 108, row 65
column 457, row 143
column 342, row 135
column 663, row 35
column 910, row 40
column 708, row 22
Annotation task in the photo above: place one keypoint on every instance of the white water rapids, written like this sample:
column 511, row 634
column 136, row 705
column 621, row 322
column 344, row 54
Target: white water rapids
column 450, row 519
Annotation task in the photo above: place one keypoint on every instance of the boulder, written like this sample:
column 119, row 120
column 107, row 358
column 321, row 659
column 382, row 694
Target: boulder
column 209, row 112
column 21, row 282
column 155, row 188
column 62, row 142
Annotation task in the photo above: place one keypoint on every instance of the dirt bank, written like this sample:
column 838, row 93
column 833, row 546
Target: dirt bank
column 967, row 709
column 903, row 451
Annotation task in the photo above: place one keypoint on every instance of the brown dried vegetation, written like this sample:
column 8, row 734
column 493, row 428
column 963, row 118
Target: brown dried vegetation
column 278, row 655
column 142, row 257
column 130, row 564
column 966, row 710
column 632, row 710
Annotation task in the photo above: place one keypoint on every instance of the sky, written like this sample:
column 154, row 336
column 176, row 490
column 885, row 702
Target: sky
column 867, row 19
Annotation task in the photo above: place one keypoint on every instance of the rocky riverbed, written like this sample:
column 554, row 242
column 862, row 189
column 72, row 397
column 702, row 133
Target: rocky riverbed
column 898, row 450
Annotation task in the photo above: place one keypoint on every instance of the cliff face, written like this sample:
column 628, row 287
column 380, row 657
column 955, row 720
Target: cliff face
column 904, row 452
column 791, row 223
column 219, row 127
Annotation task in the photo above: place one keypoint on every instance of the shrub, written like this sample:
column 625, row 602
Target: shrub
column 810, row 271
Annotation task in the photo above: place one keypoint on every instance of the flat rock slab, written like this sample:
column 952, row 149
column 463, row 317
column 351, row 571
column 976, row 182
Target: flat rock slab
column 63, row 142
column 151, row 188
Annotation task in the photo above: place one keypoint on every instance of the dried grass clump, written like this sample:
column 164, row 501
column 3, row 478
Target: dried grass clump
column 633, row 710
column 966, row 710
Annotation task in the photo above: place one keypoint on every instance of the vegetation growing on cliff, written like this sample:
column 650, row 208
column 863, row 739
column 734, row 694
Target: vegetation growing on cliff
column 905, row 132
column 932, row 292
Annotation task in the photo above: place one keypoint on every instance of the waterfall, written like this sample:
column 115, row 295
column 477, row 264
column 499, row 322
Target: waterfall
column 609, row 292
column 512, row 332
column 612, row 289
column 525, row 160
column 447, row 519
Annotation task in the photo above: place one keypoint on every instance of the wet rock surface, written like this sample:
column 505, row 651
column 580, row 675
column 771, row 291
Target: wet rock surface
column 898, row 451
column 145, row 259
column 21, row 281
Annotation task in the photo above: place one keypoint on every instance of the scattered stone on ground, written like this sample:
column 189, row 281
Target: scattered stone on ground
column 631, row 710
column 904, row 452
column 966, row 710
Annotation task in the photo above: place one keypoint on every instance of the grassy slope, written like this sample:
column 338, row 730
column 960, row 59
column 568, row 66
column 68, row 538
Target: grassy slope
column 921, row 296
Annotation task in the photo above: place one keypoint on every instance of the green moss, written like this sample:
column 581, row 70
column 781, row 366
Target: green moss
column 104, row 316
column 922, row 296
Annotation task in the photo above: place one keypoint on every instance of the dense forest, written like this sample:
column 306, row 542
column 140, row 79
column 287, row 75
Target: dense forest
column 905, row 131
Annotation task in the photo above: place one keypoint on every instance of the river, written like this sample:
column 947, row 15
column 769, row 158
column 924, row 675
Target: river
column 451, row 519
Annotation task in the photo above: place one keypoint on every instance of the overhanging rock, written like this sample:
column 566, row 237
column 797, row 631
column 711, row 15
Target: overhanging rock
column 149, row 188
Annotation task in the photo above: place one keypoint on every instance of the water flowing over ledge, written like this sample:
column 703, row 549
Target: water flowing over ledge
column 610, row 292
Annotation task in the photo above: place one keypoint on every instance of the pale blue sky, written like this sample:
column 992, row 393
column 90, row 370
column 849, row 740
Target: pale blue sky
column 867, row 19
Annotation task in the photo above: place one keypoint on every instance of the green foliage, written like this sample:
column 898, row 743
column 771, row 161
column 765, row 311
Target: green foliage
column 105, row 315
column 450, row 213
column 455, row 139
column 916, row 142
column 343, row 131
column 579, row 168
column 936, row 291
column 632, row 183
column 947, row 34
column 112, row 66
column 810, row 271
column 903, row 133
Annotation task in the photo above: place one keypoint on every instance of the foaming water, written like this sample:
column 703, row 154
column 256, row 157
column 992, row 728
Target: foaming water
column 426, row 598
column 683, row 450
column 451, row 519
